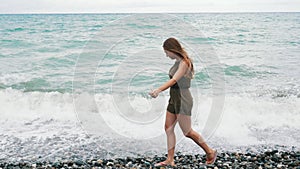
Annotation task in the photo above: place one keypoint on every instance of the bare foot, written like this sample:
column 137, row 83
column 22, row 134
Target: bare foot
column 165, row 163
column 211, row 157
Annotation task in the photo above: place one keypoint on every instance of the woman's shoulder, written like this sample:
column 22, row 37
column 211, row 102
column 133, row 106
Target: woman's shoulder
column 183, row 63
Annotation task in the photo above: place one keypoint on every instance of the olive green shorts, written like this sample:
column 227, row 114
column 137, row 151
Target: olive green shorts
column 180, row 102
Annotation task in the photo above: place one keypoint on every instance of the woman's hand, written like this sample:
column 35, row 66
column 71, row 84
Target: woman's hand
column 154, row 93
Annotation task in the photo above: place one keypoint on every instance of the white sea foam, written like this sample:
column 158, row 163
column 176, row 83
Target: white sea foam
column 57, row 127
column 245, row 121
column 13, row 78
column 249, row 121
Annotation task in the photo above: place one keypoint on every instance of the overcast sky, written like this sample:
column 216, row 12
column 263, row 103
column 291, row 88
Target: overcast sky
column 120, row 6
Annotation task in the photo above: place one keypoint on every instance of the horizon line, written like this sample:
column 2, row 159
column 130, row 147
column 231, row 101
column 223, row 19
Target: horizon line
column 29, row 13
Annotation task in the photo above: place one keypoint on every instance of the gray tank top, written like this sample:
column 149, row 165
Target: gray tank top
column 184, row 82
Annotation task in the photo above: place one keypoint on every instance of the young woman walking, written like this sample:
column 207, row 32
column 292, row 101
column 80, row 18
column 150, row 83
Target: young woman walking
column 180, row 102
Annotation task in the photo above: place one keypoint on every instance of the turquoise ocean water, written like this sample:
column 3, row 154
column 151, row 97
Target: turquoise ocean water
column 258, row 53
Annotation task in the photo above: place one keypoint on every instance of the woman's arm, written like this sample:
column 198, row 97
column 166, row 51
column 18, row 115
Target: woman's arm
column 178, row 75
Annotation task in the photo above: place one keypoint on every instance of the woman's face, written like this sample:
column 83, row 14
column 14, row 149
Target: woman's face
column 171, row 55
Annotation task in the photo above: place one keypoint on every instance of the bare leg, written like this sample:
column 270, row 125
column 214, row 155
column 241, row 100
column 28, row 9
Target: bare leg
column 185, row 125
column 170, row 123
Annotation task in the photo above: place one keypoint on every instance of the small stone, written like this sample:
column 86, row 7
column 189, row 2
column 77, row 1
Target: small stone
column 109, row 163
column 118, row 166
column 79, row 162
column 129, row 164
column 226, row 165
column 267, row 165
column 70, row 163
column 275, row 159
column 89, row 161
column 274, row 152
column 244, row 163
column 202, row 167
column 149, row 160
column 98, row 163
column 268, row 153
column 287, row 161
column 147, row 163
column 56, row 165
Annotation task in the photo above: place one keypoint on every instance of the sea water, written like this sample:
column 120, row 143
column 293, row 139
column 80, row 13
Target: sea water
column 58, row 94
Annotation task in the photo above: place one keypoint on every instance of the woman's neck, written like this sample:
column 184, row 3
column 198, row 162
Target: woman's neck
column 178, row 58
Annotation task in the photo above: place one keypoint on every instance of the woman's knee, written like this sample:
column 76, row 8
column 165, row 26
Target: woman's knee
column 169, row 129
column 188, row 133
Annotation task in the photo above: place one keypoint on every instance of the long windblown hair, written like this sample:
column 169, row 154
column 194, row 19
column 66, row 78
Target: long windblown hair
column 173, row 45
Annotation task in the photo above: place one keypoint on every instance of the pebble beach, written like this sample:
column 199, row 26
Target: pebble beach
column 268, row 159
